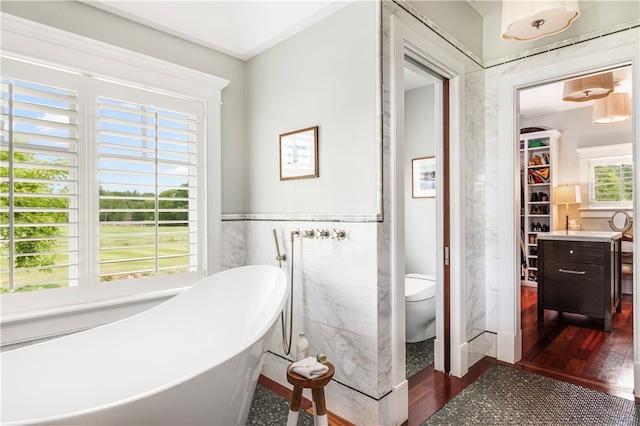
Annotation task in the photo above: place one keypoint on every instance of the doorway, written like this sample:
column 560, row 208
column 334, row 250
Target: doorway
column 423, row 131
column 594, row 153
column 450, row 345
column 509, row 327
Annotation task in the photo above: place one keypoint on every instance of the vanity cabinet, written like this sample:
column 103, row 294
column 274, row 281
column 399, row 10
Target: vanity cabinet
column 580, row 272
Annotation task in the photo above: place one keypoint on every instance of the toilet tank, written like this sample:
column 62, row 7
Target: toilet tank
column 419, row 287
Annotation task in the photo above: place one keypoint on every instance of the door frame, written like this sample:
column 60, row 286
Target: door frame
column 509, row 333
column 434, row 58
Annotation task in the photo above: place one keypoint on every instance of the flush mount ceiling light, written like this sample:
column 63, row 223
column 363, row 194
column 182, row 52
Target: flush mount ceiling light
column 612, row 109
column 531, row 20
column 588, row 88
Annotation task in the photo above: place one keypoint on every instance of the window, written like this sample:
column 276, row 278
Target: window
column 144, row 180
column 38, row 186
column 109, row 183
column 147, row 169
column 611, row 182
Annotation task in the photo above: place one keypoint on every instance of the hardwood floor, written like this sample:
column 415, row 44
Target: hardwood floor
column 567, row 347
column 575, row 348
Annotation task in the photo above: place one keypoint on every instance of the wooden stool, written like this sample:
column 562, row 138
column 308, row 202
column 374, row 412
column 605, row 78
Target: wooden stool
column 317, row 391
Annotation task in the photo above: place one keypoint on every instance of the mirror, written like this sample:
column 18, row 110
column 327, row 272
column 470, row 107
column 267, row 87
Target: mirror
column 620, row 221
column 299, row 154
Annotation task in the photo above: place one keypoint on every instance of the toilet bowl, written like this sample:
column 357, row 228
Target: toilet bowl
column 420, row 307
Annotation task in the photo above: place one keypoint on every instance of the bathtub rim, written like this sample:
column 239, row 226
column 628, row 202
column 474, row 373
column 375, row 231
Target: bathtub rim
column 260, row 334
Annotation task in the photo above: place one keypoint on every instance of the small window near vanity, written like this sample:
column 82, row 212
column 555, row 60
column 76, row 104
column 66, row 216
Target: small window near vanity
column 606, row 176
column 611, row 182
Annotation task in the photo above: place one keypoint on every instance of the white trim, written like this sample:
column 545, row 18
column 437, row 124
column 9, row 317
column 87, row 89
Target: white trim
column 509, row 345
column 434, row 58
column 28, row 40
column 53, row 322
column 302, row 217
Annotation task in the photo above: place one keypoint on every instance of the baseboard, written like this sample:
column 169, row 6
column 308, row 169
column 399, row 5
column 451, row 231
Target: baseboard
column 509, row 347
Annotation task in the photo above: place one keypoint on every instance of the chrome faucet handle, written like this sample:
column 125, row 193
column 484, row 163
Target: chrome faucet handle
column 308, row 233
column 322, row 233
column 339, row 235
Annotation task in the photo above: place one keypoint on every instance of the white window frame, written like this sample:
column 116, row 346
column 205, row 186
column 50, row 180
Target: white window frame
column 599, row 155
column 30, row 41
column 608, row 161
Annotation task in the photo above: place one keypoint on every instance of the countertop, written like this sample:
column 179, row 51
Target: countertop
column 596, row 236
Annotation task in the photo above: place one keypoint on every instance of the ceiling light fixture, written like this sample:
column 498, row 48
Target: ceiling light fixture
column 531, row 20
column 614, row 108
column 588, row 88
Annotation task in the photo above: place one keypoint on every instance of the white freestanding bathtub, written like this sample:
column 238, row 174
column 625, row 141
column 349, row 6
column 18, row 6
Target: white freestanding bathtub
column 193, row 360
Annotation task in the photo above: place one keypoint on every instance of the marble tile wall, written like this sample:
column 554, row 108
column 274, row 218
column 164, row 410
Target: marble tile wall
column 335, row 301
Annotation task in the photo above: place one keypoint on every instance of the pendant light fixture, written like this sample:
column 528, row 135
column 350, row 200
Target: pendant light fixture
column 588, row 88
column 614, row 108
column 533, row 19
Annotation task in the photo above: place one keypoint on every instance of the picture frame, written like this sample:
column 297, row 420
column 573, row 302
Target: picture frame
column 299, row 154
column 423, row 172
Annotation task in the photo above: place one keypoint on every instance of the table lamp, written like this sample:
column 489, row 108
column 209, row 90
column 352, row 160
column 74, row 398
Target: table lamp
column 567, row 194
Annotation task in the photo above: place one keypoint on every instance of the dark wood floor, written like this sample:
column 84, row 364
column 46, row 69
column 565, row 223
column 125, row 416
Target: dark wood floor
column 567, row 347
column 576, row 349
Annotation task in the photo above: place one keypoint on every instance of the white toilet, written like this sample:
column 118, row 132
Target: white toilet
column 420, row 307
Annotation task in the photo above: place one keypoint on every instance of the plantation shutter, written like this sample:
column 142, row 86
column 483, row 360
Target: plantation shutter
column 147, row 167
column 38, row 178
column 613, row 181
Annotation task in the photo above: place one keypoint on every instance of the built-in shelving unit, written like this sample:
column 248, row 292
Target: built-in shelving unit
column 538, row 156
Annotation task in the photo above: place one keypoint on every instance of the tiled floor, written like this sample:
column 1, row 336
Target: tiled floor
column 269, row 408
column 418, row 356
column 507, row 396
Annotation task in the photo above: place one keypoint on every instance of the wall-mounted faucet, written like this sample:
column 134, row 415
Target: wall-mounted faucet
column 308, row 233
column 339, row 235
column 322, row 233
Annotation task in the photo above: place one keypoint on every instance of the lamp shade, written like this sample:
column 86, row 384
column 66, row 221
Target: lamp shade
column 612, row 109
column 567, row 194
column 531, row 20
column 588, row 88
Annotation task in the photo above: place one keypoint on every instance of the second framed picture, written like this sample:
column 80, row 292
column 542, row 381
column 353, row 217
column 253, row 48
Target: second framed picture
column 423, row 177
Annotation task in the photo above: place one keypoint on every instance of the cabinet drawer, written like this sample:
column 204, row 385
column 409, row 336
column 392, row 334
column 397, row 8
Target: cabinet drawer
column 573, row 251
column 573, row 287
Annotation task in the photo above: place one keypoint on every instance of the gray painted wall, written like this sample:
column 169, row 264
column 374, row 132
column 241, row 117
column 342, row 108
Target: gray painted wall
column 324, row 76
column 457, row 18
column 420, row 213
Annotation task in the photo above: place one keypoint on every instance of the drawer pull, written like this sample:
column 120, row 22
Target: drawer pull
column 569, row 271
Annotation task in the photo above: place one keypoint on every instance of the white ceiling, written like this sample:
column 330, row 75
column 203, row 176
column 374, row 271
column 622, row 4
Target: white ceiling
column 240, row 28
column 244, row 28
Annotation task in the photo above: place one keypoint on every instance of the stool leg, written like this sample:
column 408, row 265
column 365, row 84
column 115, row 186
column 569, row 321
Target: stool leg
column 294, row 408
column 319, row 407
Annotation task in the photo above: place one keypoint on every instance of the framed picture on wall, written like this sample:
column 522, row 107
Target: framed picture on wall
column 424, row 177
column 299, row 154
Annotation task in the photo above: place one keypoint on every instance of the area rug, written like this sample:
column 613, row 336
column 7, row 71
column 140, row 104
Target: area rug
column 506, row 396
